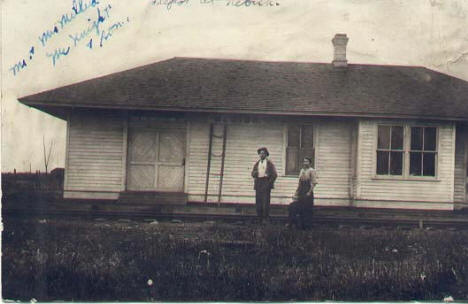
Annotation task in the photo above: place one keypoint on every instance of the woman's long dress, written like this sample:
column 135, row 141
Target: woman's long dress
column 301, row 210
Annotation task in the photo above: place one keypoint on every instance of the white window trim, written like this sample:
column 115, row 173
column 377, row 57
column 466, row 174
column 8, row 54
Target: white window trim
column 285, row 145
column 406, row 153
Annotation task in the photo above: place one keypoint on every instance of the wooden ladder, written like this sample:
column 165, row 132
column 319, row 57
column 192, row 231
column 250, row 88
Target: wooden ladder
column 211, row 154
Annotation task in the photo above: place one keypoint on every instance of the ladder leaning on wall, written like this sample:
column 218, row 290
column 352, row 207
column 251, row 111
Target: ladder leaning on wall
column 211, row 154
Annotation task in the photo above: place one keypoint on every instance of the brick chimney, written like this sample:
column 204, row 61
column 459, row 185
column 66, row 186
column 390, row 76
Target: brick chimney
column 339, row 56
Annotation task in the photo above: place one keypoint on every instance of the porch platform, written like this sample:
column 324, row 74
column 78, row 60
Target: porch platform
column 152, row 197
column 205, row 211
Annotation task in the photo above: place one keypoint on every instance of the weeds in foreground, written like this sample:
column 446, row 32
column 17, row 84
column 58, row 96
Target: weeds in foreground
column 104, row 261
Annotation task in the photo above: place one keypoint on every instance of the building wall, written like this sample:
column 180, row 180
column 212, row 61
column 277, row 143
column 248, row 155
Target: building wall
column 95, row 156
column 242, row 140
column 333, row 141
column 334, row 161
column 345, row 163
column 374, row 191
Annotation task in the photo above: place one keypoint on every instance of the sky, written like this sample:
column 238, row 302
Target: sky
column 51, row 43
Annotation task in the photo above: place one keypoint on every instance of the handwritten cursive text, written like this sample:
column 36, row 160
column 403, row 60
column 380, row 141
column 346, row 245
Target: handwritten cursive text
column 57, row 53
column 169, row 3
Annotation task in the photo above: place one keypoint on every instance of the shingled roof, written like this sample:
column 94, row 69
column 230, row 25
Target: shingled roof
column 290, row 88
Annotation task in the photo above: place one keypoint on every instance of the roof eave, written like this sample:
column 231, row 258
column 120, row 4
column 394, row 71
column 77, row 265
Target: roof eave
column 40, row 105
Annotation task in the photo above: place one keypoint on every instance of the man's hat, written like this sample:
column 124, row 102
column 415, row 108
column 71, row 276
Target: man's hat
column 263, row 149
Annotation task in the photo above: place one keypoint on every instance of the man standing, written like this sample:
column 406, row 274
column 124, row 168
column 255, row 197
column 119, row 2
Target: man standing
column 264, row 174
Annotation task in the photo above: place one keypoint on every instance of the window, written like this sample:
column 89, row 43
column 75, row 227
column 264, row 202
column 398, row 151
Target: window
column 300, row 144
column 405, row 150
column 423, row 152
column 390, row 150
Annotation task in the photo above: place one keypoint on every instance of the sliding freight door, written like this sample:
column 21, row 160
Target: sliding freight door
column 156, row 159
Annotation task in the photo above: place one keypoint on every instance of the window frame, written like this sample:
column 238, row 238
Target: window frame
column 391, row 150
column 285, row 144
column 406, row 152
column 422, row 151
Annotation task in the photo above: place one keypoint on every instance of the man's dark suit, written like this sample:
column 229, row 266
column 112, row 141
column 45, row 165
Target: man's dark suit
column 263, row 186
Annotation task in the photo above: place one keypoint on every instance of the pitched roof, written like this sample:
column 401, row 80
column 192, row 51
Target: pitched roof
column 194, row 84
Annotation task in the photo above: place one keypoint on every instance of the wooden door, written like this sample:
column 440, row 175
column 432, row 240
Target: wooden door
column 156, row 159
column 142, row 148
column 170, row 165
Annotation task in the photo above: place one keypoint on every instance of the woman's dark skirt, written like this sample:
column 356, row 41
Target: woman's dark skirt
column 301, row 211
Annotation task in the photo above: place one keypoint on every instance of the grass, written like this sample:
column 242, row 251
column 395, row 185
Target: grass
column 86, row 260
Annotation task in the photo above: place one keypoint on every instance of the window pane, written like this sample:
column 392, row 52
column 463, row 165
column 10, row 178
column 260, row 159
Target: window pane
column 293, row 136
column 292, row 160
column 416, row 138
column 430, row 139
column 396, row 163
column 429, row 164
column 382, row 162
column 415, row 163
column 397, row 138
column 307, row 140
column 384, row 137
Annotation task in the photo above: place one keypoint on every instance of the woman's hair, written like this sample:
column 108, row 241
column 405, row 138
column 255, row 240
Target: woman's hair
column 309, row 159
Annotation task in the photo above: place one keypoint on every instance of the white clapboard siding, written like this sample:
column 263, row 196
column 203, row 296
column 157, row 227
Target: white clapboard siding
column 242, row 143
column 198, row 156
column 372, row 188
column 333, row 159
column 460, row 170
column 241, row 155
column 95, row 153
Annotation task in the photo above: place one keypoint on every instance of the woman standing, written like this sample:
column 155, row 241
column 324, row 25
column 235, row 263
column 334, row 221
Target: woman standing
column 301, row 209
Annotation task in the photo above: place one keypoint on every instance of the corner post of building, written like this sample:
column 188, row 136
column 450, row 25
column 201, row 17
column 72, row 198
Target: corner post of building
column 67, row 150
column 187, row 160
column 125, row 118
column 357, row 186
column 353, row 161
column 465, row 135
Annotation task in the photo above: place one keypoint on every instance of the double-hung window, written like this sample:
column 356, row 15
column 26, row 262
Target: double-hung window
column 404, row 150
column 300, row 144
column 423, row 151
column 390, row 150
